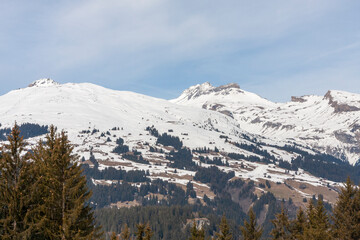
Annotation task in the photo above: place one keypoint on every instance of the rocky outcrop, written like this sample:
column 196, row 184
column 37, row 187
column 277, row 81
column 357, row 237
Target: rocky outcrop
column 278, row 126
column 339, row 107
column 227, row 86
column 272, row 125
column 357, row 136
column 218, row 108
column 256, row 120
column 227, row 113
column 355, row 127
column 298, row 99
column 344, row 137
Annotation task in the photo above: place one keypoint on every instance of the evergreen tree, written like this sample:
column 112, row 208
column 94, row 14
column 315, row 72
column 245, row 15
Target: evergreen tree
column 113, row 236
column 318, row 227
column 281, row 224
column 125, row 233
column 356, row 221
column 346, row 219
column 298, row 225
column 197, row 234
column 42, row 187
column 15, row 183
column 65, row 213
column 224, row 233
column 250, row 231
column 140, row 231
column 148, row 232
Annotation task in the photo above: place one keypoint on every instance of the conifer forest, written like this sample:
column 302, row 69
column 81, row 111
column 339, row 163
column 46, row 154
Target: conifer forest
column 45, row 194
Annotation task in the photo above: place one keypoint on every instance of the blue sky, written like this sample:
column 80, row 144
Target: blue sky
column 273, row 48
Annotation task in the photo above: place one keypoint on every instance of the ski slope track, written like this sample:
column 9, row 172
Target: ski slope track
column 329, row 123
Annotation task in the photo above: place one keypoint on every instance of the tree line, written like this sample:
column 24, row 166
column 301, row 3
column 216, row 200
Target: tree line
column 312, row 223
column 43, row 195
column 143, row 232
column 28, row 130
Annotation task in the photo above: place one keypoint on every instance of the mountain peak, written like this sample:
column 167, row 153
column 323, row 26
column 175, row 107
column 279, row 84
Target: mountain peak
column 200, row 87
column 43, row 82
column 206, row 88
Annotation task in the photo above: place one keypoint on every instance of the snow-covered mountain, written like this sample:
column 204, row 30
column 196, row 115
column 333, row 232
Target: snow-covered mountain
column 241, row 131
column 76, row 107
column 329, row 123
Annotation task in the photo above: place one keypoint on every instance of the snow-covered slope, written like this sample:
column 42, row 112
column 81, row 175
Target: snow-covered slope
column 253, row 129
column 224, row 99
column 76, row 107
column 329, row 123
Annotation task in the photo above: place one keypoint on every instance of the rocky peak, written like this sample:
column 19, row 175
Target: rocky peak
column 328, row 96
column 44, row 82
column 298, row 99
column 228, row 87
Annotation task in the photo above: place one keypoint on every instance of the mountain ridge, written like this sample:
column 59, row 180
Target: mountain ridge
column 150, row 131
column 329, row 123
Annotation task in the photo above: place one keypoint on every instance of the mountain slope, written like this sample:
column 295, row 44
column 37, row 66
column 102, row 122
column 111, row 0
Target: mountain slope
column 117, row 129
column 83, row 106
column 329, row 124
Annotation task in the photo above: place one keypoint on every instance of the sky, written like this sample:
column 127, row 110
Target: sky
column 277, row 48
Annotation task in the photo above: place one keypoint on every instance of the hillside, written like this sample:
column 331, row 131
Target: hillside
column 202, row 150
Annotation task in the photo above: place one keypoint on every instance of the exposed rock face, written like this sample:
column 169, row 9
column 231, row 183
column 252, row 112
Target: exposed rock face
column 200, row 222
column 278, row 126
column 256, row 120
column 227, row 112
column 339, row 107
column 298, row 99
column 344, row 137
column 218, row 108
column 344, row 108
column 357, row 136
column 355, row 127
column 355, row 150
column 227, row 86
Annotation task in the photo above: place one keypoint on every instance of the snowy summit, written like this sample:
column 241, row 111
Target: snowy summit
column 43, row 82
